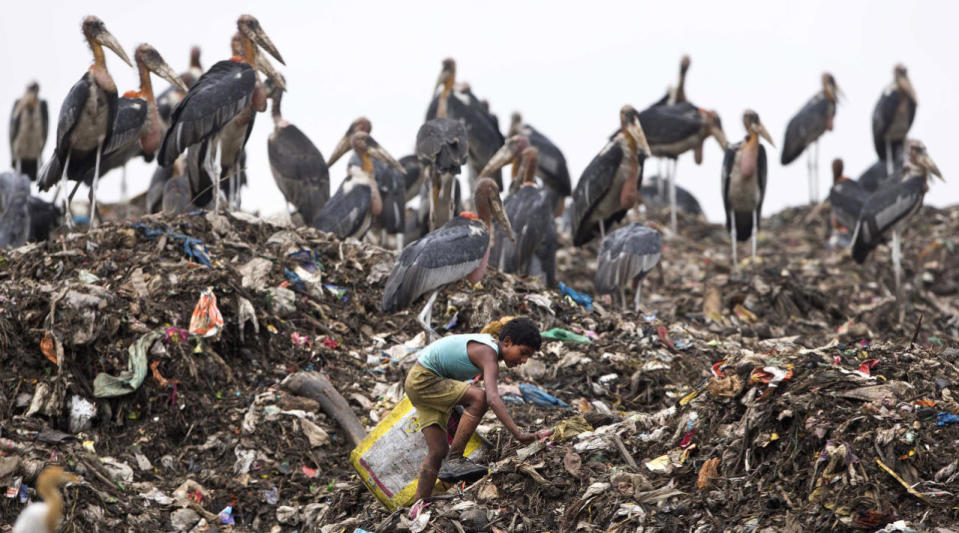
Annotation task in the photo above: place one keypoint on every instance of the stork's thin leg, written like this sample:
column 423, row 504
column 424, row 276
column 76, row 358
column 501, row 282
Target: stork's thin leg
column 602, row 230
column 815, row 181
column 425, row 316
column 732, row 239
column 672, row 195
column 897, row 263
column 660, row 183
column 215, row 173
column 639, row 291
column 93, row 190
column 755, row 233
column 17, row 165
column 67, row 217
column 399, row 241
column 622, row 297
column 890, row 167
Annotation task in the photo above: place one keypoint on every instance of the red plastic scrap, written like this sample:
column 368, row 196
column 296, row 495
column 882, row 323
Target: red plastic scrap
column 866, row 366
column 664, row 336
column 309, row 472
column 687, row 439
column 330, row 343
column 206, row 320
column 718, row 369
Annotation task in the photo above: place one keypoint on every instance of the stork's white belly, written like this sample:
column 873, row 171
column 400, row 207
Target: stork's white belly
column 29, row 140
column 91, row 127
column 743, row 192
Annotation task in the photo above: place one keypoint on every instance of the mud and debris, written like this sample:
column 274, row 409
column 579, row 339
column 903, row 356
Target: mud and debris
column 795, row 395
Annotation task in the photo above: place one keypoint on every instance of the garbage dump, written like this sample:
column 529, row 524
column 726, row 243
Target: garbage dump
column 216, row 373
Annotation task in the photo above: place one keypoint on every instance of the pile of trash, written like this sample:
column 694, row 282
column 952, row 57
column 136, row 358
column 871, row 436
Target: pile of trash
column 174, row 364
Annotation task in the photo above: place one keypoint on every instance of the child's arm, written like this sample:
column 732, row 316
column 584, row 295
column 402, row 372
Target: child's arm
column 489, row 363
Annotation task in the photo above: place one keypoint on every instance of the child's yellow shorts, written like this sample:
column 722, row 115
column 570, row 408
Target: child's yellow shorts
column 432, row 395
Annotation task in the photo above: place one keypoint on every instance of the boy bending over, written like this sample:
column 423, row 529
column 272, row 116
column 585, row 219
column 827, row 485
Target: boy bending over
column 436, row 384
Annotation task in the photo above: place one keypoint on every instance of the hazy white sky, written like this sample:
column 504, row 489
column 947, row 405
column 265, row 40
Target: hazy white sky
column 568, row 66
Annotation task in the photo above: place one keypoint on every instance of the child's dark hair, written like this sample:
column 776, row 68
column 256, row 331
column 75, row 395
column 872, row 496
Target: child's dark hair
column 522, row 331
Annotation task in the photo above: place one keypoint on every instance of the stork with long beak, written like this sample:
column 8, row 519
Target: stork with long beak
column 744, row 184
column 551, row 166
column 456, row 101
column 673, row 130
column 892, row 117
column 530, row 211
column 442, row 147
column 29, row 123
column 298, row 167
column 889, row 209
column 357, row 203
column 85, row 125
column 138, row 129
column 230, row 88
column 609, row 187
column 814, row 119
column 458, row 250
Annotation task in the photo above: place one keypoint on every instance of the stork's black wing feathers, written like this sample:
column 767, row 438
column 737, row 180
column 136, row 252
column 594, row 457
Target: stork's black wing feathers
column 846, row 199
column 807, row 126
column 131, row 114
column 14, row 125
column 44, row 120
column 882, row 210
column 667, row 124
column 626, row 254
column 595, row 182
column 70, row 112
column 299, row 170
column 729, row 159
column 216, row 98
column 882, row 119
column 343, row 215
column 440, row 257
column 552, row 165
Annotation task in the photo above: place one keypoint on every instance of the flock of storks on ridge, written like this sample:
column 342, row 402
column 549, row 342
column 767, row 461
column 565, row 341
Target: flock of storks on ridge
column 197, row 130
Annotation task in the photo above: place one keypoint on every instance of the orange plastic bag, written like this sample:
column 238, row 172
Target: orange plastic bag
column 206, row 320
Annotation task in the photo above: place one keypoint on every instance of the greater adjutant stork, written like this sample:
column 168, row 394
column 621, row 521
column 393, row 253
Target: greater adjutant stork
column 87, row 115
column 171, row 96
column 552, row 165
column 814, row 119
column 351, row 211
column 672, row 130
column 609, row 186
column 845, row 203
column 457, row 101
column 744, row 183
column 29, row 123
column 677, row 94
column 888, row 209
column 892, row 117
column 625, row 257
column 137, row 130
column 298, row 167
column 442, row 147
column 228, row 90
column 390, row 182
column 458, row 250
column 530, row 212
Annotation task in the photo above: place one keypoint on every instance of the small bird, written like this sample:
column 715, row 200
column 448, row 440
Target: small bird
column 42, row 517
column 744, row 183
column 625, row 257
column 29, row 123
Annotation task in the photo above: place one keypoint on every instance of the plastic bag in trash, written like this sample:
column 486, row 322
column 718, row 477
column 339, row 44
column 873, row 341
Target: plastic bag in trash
column 206, row 320
column 537, row 396
column 584, row 300
column 107, row 386
column 561, row 334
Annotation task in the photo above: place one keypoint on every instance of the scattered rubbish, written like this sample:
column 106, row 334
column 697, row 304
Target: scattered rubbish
column 107, row 386
column 560, row 334
column 206, row 320
column 537, row 396
column 81, row 414
column 583, row 300
column 943, row 419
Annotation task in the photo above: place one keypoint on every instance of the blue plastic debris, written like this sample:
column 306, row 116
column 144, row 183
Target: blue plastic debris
column 513, row 399
column 294, row 279
column 226, row 515
column 308, row 259
column 537, row 396
column 452, row 323
column 944, row 418
column 194, row 249
column 584, row 300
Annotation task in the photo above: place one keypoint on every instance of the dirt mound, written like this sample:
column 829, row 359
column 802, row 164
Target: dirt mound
column 793, row 394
